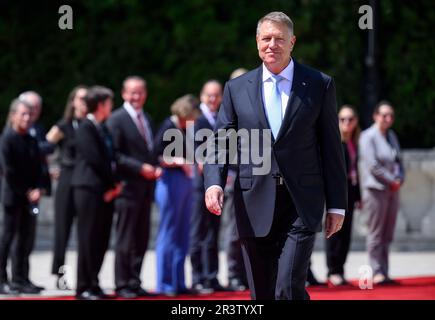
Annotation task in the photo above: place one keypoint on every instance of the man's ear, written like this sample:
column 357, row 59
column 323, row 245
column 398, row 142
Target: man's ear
column 293, row 41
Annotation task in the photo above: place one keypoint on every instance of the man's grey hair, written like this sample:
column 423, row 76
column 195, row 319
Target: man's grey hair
column 278, row 17
column 14, row 107
column 26, row 94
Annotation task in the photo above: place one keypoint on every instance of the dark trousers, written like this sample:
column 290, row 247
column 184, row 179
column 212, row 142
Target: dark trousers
column 276, row 265
column 236, row 267
column 64, row 217
column 337, row 246
column 94, row 219
column 18, row 224
column 204, row 250
column 132, row 235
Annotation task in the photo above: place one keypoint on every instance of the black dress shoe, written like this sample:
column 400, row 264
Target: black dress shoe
column 87, row 295
column 126, row 293
column 100, row 293
column 140, row 292
column 237, row 285
column 199, row 288
column 34, row 286
column 215, row 287
column 6, row 289
column 26, row 288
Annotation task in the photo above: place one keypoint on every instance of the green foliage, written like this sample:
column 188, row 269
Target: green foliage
column 177, row 46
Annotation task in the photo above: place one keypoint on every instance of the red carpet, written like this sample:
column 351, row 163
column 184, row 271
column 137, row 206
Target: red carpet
column 421, row 288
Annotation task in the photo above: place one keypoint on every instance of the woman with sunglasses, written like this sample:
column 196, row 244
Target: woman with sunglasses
column 382, row 175
column 337, row 246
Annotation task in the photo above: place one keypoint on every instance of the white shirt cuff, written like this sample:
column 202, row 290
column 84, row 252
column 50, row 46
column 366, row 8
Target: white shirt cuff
column 214, row 186
column 337, row 211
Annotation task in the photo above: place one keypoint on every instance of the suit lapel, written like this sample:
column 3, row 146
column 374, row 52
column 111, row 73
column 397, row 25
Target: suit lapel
column 255, row 92
column 297, row 93
column 132, row 124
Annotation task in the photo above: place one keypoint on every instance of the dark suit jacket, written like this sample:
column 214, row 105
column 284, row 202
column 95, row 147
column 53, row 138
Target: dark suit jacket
column 200, row 123
column 21, row 166
column 307, row 152
column 93, row 167
column 45, row 149
column 131, row 152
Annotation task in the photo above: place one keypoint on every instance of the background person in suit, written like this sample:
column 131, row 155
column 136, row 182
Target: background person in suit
column 174, row 198
column 133, row 140
column 94, row 190
column 63, row 134
column 38, row 132
column 337, row 246
column 278, row 213
column 236, row 269
column 21, row 192
column 204, row 230
column 382, row 175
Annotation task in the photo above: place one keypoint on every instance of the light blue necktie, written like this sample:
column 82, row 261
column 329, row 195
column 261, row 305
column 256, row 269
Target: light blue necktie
column 274, row 106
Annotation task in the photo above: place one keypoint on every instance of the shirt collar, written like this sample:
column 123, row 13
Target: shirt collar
column 205, row 109
column 91, row 117
column 131, row 110
column 287, row 73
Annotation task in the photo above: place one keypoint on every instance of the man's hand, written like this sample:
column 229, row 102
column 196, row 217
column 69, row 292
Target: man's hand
column 333, row 223
column 214, row 199
column 148, row 172
column 111, row 194
column 34, row 195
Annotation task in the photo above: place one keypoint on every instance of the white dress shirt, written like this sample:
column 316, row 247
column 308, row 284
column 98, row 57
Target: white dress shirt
column 284, row 85
column 208, row 114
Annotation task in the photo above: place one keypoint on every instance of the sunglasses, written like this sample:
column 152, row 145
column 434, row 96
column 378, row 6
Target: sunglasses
column 386, row 115
column 347, row 119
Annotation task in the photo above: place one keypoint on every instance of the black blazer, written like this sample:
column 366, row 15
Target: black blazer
column 21, row 165
column 307, row 152
column 94, row 160
column 131, row 151
column 45, row 149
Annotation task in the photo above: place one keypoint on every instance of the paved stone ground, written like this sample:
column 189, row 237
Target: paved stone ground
column 403, row 264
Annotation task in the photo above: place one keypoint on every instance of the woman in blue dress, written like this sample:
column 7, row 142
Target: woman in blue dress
column 174, row 196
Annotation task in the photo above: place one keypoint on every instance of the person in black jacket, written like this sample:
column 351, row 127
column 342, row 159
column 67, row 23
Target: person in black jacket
column 63, row 135
column 94, row 186
column 20, row 196
column 37, row 131
column 337, row 247
column 133, row 139
column 204, row 231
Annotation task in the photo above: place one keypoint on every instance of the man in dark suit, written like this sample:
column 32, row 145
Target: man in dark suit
column 21, row 192
column 38, row 132
column 204, row 230
column 133, row 139
column 94, row 183
column 279, row 211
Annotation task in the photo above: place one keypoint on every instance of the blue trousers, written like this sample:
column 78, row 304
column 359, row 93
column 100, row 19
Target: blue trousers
column 174, row 198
